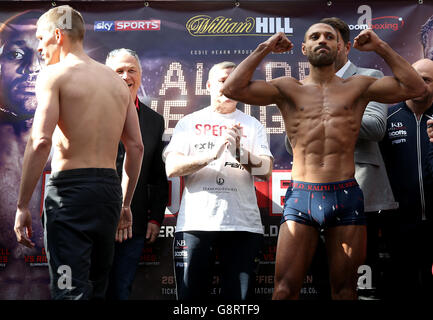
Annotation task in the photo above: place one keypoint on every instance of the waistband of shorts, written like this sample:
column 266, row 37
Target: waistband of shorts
column 84, row 172
column 327, row 186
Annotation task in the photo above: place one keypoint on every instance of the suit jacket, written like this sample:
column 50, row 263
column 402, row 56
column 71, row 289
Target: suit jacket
column 370, row 172
column 151, row 194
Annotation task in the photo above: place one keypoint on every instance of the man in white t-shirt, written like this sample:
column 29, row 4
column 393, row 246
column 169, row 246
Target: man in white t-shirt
column 218, row 150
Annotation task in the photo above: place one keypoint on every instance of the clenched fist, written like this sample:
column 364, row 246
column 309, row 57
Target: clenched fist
column 279, row 43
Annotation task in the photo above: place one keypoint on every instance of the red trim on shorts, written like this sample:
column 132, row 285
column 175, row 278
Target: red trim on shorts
column 332, row 186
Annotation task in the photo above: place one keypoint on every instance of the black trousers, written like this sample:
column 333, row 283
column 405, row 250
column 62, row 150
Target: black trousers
column 195, row 253
column 409, row 274
column 82, row 209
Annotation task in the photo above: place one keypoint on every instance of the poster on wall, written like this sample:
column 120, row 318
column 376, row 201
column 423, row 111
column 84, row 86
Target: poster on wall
column 177, row 45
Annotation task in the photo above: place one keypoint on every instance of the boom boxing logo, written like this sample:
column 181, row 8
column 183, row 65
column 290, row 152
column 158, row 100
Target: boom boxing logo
column 365, row 21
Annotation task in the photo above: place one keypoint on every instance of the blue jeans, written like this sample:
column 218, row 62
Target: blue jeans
column 194, row 258
column 125, row 262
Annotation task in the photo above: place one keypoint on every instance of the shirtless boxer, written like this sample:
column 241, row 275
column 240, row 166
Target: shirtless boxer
column 84, row 120
column 322, row 116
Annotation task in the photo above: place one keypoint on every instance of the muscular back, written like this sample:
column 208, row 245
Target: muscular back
column 93, row 102
column 322, row 124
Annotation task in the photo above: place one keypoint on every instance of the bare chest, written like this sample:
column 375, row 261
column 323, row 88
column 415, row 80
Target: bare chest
column 331, row 114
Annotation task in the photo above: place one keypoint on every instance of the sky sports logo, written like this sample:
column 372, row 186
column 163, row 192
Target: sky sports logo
column 127, row 25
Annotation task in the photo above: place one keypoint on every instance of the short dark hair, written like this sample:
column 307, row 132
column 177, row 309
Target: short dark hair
column 340, row 26
column 426, row 28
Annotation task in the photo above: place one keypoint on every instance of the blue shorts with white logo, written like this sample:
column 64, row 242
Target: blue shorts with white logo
column 324, row 205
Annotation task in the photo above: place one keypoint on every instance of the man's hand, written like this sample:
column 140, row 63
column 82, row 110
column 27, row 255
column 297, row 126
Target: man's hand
column 430, row 129
column 233, row 137
column 152, row 232
column 230, row 140
column 218, row 151
column 124, row 229
column 279, row 43
column 23, row 227
column 367, row 40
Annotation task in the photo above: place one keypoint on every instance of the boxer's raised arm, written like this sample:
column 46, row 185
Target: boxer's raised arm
column 239, row 86
column 405, row 84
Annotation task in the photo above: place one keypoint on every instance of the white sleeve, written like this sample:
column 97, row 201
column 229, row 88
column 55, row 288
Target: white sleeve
column 260, row 143
column 179, row 140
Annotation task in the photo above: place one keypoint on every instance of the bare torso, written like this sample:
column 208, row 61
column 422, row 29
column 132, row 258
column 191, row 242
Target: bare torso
column 93, row 106
column 322, row 124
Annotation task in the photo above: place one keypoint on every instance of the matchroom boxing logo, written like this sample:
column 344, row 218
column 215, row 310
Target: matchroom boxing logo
column 127, row 25
column 392, row 23
column 387, row 23
column 366, row 20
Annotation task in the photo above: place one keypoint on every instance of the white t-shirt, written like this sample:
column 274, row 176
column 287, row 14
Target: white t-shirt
column 220, row 196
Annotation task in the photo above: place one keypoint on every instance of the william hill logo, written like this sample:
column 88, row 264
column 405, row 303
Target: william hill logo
column 203, row 25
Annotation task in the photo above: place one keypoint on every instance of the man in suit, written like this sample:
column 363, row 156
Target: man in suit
column 370, row 170
column 151, row 194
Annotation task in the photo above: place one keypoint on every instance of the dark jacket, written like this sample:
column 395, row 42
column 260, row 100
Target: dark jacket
column 405, row 149
column 151, row 194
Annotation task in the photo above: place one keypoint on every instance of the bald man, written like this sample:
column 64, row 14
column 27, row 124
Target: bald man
column 408, row 155
column 322, row 116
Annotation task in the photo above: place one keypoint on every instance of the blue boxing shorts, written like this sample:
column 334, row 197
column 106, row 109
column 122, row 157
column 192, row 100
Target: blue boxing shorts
column 324, row 205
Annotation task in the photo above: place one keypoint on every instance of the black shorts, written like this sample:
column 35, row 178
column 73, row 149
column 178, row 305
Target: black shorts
column 82, row 209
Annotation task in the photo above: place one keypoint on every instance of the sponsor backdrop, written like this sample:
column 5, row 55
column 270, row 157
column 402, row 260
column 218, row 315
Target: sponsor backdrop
column 177, row 43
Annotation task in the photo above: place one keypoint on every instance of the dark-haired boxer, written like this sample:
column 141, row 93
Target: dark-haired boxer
column 370, row 171
column 322, row 116
column 84, row 120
